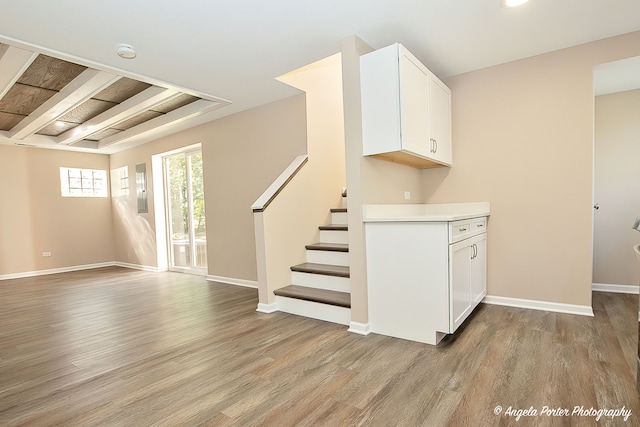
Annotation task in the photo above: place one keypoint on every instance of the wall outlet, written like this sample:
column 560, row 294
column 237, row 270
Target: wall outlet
column 46, row 254
column 407, row 195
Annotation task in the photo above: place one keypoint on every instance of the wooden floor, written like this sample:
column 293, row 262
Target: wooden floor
column 118, row 347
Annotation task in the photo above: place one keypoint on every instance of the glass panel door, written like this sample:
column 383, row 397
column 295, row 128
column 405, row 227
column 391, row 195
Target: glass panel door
column 186, row 216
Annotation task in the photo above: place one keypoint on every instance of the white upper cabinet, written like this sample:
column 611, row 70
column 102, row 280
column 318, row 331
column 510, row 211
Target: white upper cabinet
column 406, row 109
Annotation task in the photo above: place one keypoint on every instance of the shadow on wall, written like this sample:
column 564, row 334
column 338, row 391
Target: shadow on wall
column 137, row 233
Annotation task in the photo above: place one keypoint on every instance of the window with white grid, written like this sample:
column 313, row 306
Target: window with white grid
column 83, row 182
column 120, row 182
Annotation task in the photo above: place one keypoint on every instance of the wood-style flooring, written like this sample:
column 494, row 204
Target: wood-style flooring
column 119, row 347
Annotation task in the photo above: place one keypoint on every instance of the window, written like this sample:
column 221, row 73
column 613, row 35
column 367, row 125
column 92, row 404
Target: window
column 83, row 182
column 120, row 181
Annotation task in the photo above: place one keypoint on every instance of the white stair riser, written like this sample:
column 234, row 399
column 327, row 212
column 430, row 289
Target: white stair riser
column 334, row 236
column 320, row 281
column 328, row 257
column 339, row 218
column 314, row 310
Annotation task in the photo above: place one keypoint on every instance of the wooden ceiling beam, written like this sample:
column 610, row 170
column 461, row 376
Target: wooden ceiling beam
column 83, row 87
column 143, row 101
column 159, row 124
column 13, row 63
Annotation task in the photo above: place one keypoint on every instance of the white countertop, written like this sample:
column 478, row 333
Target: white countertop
column 430, row 212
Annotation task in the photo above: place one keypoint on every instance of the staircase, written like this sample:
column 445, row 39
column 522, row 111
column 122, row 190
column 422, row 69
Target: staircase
column 320, row 287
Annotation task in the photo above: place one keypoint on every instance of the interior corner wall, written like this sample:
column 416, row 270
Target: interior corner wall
column 35, row 218
column 617, row 188
column 242, row 154
column 523, row 140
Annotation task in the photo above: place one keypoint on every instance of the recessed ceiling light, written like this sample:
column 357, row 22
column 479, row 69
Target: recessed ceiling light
column 59, row 124
column 126, row 51
column 513, row 3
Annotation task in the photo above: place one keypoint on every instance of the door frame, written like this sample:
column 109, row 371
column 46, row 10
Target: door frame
column 163, row 229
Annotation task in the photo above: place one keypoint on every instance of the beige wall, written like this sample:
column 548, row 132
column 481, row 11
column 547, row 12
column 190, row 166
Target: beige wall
column 523, row 140
column 134, row 233
column 242, row 154
column 35, row 218
column 617, row 188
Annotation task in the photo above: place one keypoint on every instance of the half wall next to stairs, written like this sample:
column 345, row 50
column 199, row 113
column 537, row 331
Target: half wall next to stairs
column 290, row 220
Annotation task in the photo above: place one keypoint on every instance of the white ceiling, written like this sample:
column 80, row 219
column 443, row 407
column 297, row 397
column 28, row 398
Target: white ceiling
column 234, row 49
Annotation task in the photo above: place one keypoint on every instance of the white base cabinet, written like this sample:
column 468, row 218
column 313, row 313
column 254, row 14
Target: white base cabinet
column 467, row 276
column 424, row 278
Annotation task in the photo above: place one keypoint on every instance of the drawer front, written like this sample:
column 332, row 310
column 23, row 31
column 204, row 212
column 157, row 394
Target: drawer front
column 478, row 225
column 459, row 230
column 465, row 228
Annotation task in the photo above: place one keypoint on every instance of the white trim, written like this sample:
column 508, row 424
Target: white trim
column 232, row 281
column 619, row 289
column 55, row 270
column 582, row 310
column 143, row 101
column 167, row 120
column 140, row 267
column 267, row 308
column 360, row 328
column 13, row 63
column 83, row 87
column 314, row 310
column 159, row 201
column 279, row 183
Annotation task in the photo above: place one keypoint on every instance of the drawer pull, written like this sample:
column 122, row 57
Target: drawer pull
column 462, row 229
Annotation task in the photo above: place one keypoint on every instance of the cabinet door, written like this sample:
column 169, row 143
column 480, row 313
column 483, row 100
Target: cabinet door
column 459, row 291
column 414, row 105
column 380, row 100
column 439, row 120
column 479, row 269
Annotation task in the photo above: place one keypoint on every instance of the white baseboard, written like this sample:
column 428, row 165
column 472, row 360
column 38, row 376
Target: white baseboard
column 619, row 289
column 140, row 267
column 582, row 310
column 360, row 328
column 232, row 281
column 55, row 270
column 267, row 308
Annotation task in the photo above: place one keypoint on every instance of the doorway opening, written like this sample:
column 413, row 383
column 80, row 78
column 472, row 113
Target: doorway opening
column 185, row 212
column 616, row 179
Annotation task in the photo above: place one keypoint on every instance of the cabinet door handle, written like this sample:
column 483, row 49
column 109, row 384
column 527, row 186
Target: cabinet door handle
column 433, row 145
